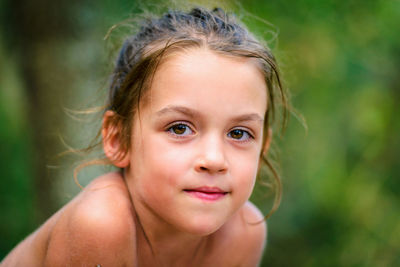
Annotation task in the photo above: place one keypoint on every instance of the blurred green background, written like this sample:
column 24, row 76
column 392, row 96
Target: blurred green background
column 341, row 61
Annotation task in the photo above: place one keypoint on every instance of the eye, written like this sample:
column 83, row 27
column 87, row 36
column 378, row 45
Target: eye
column 180, row 129
column 240, row 135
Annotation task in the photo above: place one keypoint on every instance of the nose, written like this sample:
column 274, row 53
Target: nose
column 211, row 157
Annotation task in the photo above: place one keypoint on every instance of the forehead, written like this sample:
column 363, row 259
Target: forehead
column 197, row 75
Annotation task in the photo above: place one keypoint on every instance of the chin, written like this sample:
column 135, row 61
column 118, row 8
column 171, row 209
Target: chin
column 203, row 226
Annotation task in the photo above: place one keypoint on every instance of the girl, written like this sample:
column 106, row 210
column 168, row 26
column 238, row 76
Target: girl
column 187, row 123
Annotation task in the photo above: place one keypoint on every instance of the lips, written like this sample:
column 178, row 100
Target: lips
column 206, row 193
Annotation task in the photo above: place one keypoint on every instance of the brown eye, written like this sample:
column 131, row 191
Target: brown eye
column 236, row 134
column 180, row 129
column 239, row 134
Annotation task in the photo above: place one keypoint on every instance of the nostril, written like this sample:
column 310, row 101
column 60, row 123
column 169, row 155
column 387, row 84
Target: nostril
column 210, row 166
column 222, row 170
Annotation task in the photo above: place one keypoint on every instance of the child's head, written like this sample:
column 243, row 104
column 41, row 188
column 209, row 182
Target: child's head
column 174, row 35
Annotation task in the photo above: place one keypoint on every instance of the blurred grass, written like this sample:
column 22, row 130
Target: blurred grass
column 340, row 59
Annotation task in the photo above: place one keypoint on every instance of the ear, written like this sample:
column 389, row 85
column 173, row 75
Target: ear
column 111, row 142
column 267, row 142
column 265, row 148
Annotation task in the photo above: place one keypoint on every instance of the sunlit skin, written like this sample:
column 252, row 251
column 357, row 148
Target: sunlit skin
column 188, row 175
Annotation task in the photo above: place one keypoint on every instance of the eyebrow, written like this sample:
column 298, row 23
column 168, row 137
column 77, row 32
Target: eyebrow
column 249, row 117
column 178, row 109
column 193, row 113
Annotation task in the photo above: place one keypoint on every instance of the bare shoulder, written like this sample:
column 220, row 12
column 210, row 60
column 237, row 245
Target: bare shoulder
column 104, row 207
column 255, row 224
column 253, row 234
column 96, row 228
column 241, row 241
column 253, row 220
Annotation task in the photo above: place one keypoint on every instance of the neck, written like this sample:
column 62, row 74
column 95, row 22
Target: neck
column 161, row 241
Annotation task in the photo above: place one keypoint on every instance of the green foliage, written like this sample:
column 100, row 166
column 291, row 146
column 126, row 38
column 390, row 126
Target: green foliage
column 17, row 214
column 341, row 196
column 341, row 192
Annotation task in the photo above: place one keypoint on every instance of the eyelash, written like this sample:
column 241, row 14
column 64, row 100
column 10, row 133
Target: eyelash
column 170, row 130
column 244, row 133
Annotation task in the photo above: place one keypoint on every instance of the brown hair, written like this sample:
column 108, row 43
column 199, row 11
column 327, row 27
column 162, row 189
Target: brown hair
column 142, row 53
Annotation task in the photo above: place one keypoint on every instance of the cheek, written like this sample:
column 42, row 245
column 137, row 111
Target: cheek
column 245, row 172
column 165, row 165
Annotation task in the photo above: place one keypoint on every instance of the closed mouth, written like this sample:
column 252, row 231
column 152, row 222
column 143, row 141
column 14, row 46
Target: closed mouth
column 206, row 193
column 207, row 190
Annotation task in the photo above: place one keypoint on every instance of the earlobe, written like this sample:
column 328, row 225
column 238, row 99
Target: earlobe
column 111, row 142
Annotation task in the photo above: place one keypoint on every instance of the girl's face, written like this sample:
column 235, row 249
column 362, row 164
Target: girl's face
column 197, row 140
